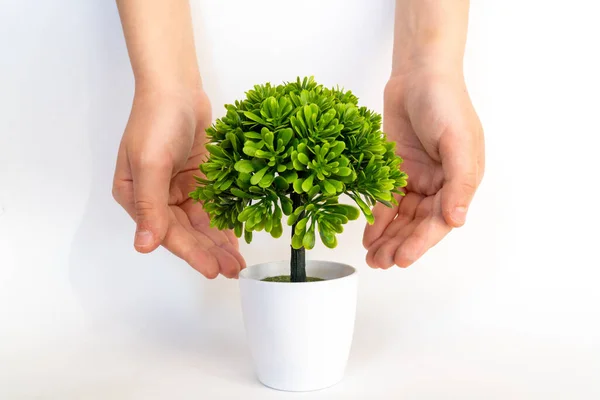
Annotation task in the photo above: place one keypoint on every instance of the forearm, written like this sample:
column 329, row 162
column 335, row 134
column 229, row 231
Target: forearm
column 429, row 33
column 160, row 43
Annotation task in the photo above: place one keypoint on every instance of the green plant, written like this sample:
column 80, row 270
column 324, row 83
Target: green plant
column 293, row 149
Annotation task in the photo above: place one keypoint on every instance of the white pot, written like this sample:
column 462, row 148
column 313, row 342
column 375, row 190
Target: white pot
column 299, row 334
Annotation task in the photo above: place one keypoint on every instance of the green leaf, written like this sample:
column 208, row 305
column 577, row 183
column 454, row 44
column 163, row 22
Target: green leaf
column 266, row 181
column 339, row 186
column 329, row 188
column 238, row 230
column 262, row 154
column 290, row 176
column 215, row 150
column 307, row 184
column 244, row 166
column 298, row 165
column 277, row 212
column 336, row 150
column 249, row 150
column 285, row 135
column 297, row 242
column 255, row 118
column 315, row 189
column 233, row 139
column 351, row 212
column 298, row 125
column 327, row 237
column 277, row 229
column 258, row 164
column 294, row 216
column 344, row 171
column 246, row 214
column 298, row 185
column 365, row 209
column 273, row 106
column 303, row 158
column 258, row 176
column 248, row 236
column 225, row 184
column 324, row 150
column 280, row 183
column 252, row 135
column 268, row 138
column 286, row 205
column 309, row 239
column 326, row 118
column 301, row 225
column 269, row 223
column 281, row 168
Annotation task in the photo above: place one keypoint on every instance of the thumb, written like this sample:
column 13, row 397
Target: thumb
column 151, row 193
column 459, row 161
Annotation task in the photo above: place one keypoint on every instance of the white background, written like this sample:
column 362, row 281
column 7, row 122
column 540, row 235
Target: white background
column 504, row 308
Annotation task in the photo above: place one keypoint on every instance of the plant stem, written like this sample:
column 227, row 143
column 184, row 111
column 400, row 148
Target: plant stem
column 298, row 260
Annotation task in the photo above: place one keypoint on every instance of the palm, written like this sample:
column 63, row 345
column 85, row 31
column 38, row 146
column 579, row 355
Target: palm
column 190, row 214
column 175, row 137
column 417, row 216
column 417, row 119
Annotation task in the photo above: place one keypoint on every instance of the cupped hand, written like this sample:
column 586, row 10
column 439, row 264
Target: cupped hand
column 160, row 151
column 438, row 134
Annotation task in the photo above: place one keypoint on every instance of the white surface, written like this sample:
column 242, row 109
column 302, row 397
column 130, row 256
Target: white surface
column 505, row 308
column 299, row 335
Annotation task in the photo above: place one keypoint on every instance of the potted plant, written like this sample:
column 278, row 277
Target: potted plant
column 292, row 150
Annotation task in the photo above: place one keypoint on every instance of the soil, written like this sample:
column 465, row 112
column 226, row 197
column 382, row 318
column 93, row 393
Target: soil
column 286, row 278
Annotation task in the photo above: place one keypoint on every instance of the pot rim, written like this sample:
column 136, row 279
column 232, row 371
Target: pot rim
column 354, row 272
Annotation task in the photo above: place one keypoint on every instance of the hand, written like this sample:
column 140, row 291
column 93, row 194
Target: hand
column 159, row 155
column 439, row 136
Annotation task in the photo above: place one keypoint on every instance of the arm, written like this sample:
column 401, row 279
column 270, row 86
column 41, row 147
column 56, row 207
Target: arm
column 428, row 113
column 429, row 33
column 160, row 43
column 163, row 142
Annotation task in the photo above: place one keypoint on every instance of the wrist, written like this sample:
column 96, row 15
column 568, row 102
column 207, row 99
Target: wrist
column 186, row 88
column 181, row 92
column 429, row 35
column 439, row 57
column 419, row 79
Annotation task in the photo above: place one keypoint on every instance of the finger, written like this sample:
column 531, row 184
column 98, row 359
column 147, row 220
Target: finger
column 397, row 228
column 383, row 217
column 122, row 189
column 186, row 246
column 229, row 266
column 122, row 192
column 228, row 247
column 233, row 239
column 200, row 222
column 151, row 181
column 381, row 255
column 459, row 160
column 406, row 213
column 480, row 158
column 427, row 234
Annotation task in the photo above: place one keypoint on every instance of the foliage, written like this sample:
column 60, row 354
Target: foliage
column 301, row 138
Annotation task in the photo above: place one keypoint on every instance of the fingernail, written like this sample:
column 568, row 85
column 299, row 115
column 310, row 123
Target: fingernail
column 143, row 238
column 460, row 215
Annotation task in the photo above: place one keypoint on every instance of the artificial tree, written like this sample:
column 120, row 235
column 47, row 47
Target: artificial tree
column 293, row 149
